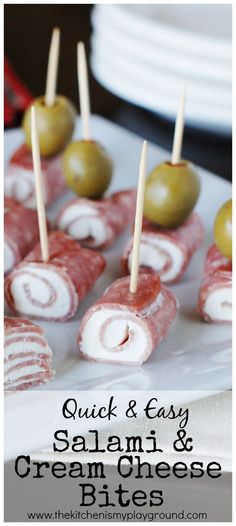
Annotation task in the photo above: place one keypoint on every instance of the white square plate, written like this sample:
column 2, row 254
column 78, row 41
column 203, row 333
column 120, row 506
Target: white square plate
column 195, row 356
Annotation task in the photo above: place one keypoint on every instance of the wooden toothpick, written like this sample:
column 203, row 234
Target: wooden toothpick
column 51, row 81
column 179, row 129
column 138, row 220
column 83, row 90
column 39, row 188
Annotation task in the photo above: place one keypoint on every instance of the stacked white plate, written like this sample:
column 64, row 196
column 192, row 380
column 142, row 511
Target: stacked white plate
column 144, row 52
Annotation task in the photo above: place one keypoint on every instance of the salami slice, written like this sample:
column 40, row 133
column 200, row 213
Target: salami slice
column 53, row 290
column 97, row 224
column 20, row 233
column 215, row 298
column 19, row 180
column 166, row 251
column 27, row 356
column 125, row 328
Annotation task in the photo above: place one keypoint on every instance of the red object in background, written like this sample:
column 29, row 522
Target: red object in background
column 16, row 96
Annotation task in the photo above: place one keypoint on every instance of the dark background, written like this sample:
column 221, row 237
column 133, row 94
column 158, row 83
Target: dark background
column 27, row 38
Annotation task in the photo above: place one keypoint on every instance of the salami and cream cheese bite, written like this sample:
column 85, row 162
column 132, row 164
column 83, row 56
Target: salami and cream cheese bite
column 97, row 224
column 166, row 251
column 53, row 290
column 132, row 317
column 21, row 233
column 172, row 232
column 215, row 298
column 19, row 181
column 27, row 356
column 125, row 328
column 55, row 126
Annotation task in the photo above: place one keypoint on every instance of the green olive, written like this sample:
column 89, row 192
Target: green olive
column 55, row 125
column 171, row 193
column 87, row 168
column 223, row 229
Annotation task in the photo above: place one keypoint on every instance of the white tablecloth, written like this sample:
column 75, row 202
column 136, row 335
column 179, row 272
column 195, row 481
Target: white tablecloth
column 209, row 426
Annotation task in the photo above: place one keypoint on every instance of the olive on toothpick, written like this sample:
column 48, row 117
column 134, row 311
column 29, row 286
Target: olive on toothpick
column 223, row 229
column 171, row 193
column 55, row 113
column 172, row 188
column 87, row 167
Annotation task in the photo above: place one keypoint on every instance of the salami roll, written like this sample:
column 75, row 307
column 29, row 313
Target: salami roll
column 97, row 224
column 27, row 356
column 19, row 180
column 166, row 251
column 53, row 290
column 21, row 233
column 125, row 328
column 215, row 298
